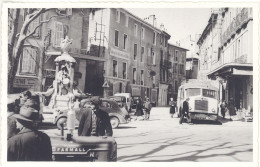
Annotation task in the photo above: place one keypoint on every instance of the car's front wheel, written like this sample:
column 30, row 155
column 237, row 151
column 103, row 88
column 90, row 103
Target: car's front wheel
column 62, row 122
column 114, row 122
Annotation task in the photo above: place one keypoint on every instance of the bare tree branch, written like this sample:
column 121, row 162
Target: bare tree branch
column 45, row 21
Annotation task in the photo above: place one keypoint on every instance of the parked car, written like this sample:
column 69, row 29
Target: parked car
column 134, row 102
column 121, row 101
column 117, row 115
column 128, row 99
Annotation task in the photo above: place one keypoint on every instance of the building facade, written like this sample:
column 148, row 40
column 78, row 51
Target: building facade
column 177, row 57
column 131, row 48
column 36, row 69
column 232, row 61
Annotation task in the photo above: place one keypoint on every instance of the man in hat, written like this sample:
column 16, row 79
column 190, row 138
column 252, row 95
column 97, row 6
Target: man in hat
column 11, row 120
column 185, row 110
column 94, row 121
column 29, row 144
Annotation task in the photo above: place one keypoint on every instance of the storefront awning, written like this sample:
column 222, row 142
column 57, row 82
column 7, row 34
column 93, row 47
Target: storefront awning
column 232, row 69
column 242, row 72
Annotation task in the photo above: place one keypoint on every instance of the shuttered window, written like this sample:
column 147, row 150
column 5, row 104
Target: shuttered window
column 28, row 61
column 33, row 25
column 58, row 34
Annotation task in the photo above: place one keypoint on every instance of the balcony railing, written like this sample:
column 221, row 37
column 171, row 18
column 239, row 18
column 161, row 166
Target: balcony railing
column 243, row 59
column 235, row 25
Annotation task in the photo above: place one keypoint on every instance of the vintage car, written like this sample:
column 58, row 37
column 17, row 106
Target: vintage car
column 117, row 115
column 121, row 101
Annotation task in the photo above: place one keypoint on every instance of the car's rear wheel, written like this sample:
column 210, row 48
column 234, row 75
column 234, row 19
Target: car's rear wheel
column 62, row 122
column 114, row 122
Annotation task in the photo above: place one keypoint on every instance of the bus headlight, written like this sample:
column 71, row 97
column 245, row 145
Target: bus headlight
column 213, row 110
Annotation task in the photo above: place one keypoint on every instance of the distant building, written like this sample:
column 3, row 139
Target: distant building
column 177, row 58
column 165, row 66
column 230, row 58
column 131, row 48
column 192, row 68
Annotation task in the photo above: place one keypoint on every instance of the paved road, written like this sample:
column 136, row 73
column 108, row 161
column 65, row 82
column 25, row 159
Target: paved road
column 162, row 139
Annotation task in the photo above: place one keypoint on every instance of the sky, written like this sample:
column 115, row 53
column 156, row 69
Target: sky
column 179, row 22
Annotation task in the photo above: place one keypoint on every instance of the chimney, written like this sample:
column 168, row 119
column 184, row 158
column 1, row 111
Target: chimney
column 162, row 27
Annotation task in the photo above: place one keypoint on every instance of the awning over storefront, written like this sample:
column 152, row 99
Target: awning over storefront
column 242, row 72
column 232, row 69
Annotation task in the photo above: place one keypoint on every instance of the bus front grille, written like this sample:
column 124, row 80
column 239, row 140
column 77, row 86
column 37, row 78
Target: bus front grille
column 201, row 105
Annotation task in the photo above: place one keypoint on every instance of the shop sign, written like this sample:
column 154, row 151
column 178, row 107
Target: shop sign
column 118, row 53
column 24, row 82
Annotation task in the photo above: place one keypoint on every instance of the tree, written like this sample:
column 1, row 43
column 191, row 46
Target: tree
column 17, row 39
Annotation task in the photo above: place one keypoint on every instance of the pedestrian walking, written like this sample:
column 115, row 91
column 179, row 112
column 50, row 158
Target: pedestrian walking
column 29, row 144
column 172, row 107
column 223, row 108
column 232, row 109
column 94, row 121
column 139, row 110
column 147, row 108
column 185, row 110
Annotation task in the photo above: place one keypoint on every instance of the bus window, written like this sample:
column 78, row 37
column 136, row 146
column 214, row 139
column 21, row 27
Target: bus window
column 209, row 93
column 193, row 92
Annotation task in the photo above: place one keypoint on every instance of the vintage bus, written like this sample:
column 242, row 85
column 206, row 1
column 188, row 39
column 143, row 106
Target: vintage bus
column 203, row 103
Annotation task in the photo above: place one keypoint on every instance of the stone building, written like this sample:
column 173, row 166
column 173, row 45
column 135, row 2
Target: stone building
column 36, row 69
column 177, row 58
column 232, row 60
column 131, row 48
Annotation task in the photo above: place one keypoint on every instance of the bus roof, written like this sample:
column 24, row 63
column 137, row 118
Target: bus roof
column 198, row 84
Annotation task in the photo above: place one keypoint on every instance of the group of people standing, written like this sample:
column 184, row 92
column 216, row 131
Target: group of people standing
column 143, row 110
column 227, row 108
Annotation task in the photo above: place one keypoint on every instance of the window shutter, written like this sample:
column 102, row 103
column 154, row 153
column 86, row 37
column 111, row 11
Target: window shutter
column 58, row 34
